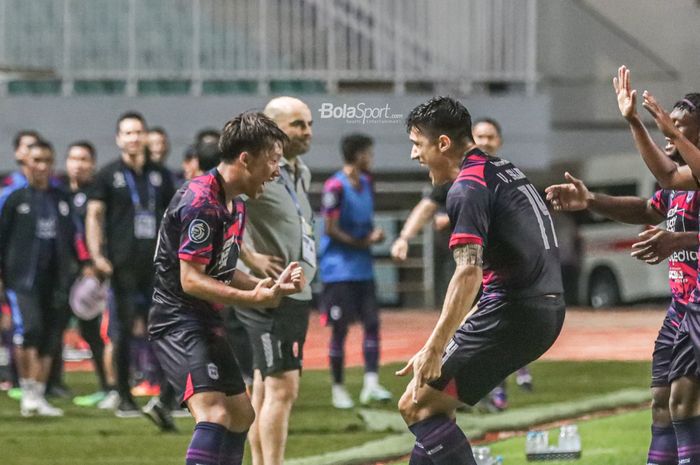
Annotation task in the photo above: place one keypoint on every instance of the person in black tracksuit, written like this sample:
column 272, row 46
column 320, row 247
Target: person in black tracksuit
column 39, row 243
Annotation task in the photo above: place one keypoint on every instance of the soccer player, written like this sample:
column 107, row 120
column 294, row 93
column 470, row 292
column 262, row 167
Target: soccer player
column 682, row 131
column 680, row 244
column 501, row 232
column 346, row 269
column 125, row 207
column 36, row 221
column 198, row 247
column 280, row 231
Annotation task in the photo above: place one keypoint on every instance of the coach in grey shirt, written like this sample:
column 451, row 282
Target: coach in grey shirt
column 279, row 230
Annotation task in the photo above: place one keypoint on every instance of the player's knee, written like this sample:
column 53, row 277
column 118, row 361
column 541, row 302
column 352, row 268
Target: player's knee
column 284, row 393
column 660, row 399
column 219, row 414
column 407, row 408
column 242, row 418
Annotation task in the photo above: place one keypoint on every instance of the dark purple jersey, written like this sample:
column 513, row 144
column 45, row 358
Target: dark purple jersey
column 492, row 203
column 197, row 227
column 681, row 211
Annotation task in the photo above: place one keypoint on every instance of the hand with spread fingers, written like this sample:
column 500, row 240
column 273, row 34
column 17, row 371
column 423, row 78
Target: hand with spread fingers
column 572, row 196
column 661, row 117
column 426, row 366
column 655, row 245
column 626, row 96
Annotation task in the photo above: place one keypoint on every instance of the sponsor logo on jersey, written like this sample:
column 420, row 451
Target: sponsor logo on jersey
column 199, row 231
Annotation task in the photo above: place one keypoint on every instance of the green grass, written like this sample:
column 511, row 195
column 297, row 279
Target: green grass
column 98, row 438
column 615, row 440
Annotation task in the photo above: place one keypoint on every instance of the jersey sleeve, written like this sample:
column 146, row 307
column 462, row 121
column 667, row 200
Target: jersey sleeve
column 659, row 201
column 439, row 194
column 332, row 198
column 198, row 228
column 469, row 210
column 101, row 187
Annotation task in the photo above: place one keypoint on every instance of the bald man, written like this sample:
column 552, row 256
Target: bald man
column 279, row 231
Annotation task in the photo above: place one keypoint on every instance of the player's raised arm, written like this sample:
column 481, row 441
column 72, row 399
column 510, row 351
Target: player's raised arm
column 668, row 174
column 575, row 196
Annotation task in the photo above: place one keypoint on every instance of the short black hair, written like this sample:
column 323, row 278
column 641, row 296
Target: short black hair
column 24, row 133
column 87, row 145
column 159, row 130
column 42, row 144
column 690, row 103
column 250, row 132
column 441, row 115
column 190, row 153
column 208, row 154
column 490, row 121
column 352, row 144
column 131, row 115
column 207, row 132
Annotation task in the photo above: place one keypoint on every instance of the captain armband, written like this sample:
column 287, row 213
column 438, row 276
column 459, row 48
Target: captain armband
column 469, row 254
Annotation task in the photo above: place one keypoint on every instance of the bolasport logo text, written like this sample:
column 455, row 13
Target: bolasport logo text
column 360, row 113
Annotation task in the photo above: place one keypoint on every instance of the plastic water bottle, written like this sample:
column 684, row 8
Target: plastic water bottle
column 569, row 439
column 482, row 456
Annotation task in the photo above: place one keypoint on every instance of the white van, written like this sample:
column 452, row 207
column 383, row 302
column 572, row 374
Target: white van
column 608, row 274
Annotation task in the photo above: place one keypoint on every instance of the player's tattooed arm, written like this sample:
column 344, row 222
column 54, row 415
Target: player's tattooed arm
column 469, row 255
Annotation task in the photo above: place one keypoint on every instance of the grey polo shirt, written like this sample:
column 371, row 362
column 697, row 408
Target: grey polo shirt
column 274, row 224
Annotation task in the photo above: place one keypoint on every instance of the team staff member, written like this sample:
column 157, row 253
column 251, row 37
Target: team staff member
column 346, row 267
column 196, row 259
column 280, row 229
column 501, row 232
column 124, row 211
column 38, row 245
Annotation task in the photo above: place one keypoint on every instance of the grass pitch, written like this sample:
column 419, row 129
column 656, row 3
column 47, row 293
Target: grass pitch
column 89, row 436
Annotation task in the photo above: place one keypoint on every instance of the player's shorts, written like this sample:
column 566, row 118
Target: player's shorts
column 277, row 335
column 663, row 346
column 499, row 338
column 198, row 360
column 686, row 350
column 349, row 301
column 35, row 321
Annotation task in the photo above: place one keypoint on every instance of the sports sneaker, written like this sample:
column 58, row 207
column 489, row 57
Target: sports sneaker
column 90, row 400
column 145, row 389
column 374, row 393
column 127, row 408
column 341, row 398
column 45, row 409
column 28, row 405
column 160, row 415
column 523, row 378
column 110, row 402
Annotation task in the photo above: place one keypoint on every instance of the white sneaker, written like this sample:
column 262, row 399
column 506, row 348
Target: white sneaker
column 374, row 393
column 47, row 410
column 110, row 402
column 29, row 404
column 341, row 397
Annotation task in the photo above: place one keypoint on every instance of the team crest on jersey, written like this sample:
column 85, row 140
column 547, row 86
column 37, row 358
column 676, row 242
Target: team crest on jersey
column 213, row 371
column 63, row 208
column 79, row 199
column 198, row 231
column 23, row 208
column 155, row 178
column 118, row 180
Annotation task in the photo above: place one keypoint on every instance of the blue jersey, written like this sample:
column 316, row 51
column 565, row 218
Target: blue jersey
column 353, row 207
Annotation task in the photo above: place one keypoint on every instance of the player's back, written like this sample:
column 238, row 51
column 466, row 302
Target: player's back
column 493, row 203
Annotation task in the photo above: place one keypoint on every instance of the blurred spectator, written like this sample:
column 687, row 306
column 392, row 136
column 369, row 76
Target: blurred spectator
column 158, row 145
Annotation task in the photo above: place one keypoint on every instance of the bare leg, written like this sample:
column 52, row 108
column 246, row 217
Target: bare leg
column 281, row 390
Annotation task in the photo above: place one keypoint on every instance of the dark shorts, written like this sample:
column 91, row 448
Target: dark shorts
column 346, row 302
column 496, row 340
column 686, row 350
column 277, row 335
column 198, row 360
column 36, row 322
column 663, row 346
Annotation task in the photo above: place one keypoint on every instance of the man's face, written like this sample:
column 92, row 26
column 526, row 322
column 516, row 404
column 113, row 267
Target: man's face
column 364, row 159
column 262, row 168
column 131, row 137
column 296, row 123
column 190, row 168
column 427, row 151
column 486, row 138
column 689, row 125
column 39, row 163
column 158, row 146
column 23, row 148
column 80, row 165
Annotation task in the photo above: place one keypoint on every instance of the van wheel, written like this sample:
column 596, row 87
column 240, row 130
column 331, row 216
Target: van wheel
column 603, row 290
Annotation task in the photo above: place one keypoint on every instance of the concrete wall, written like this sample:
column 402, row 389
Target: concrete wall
column 61, row 120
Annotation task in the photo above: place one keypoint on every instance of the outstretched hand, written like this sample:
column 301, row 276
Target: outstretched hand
column 655, row 245
column 572, row 196
column 626, row 96
column 661, row 117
